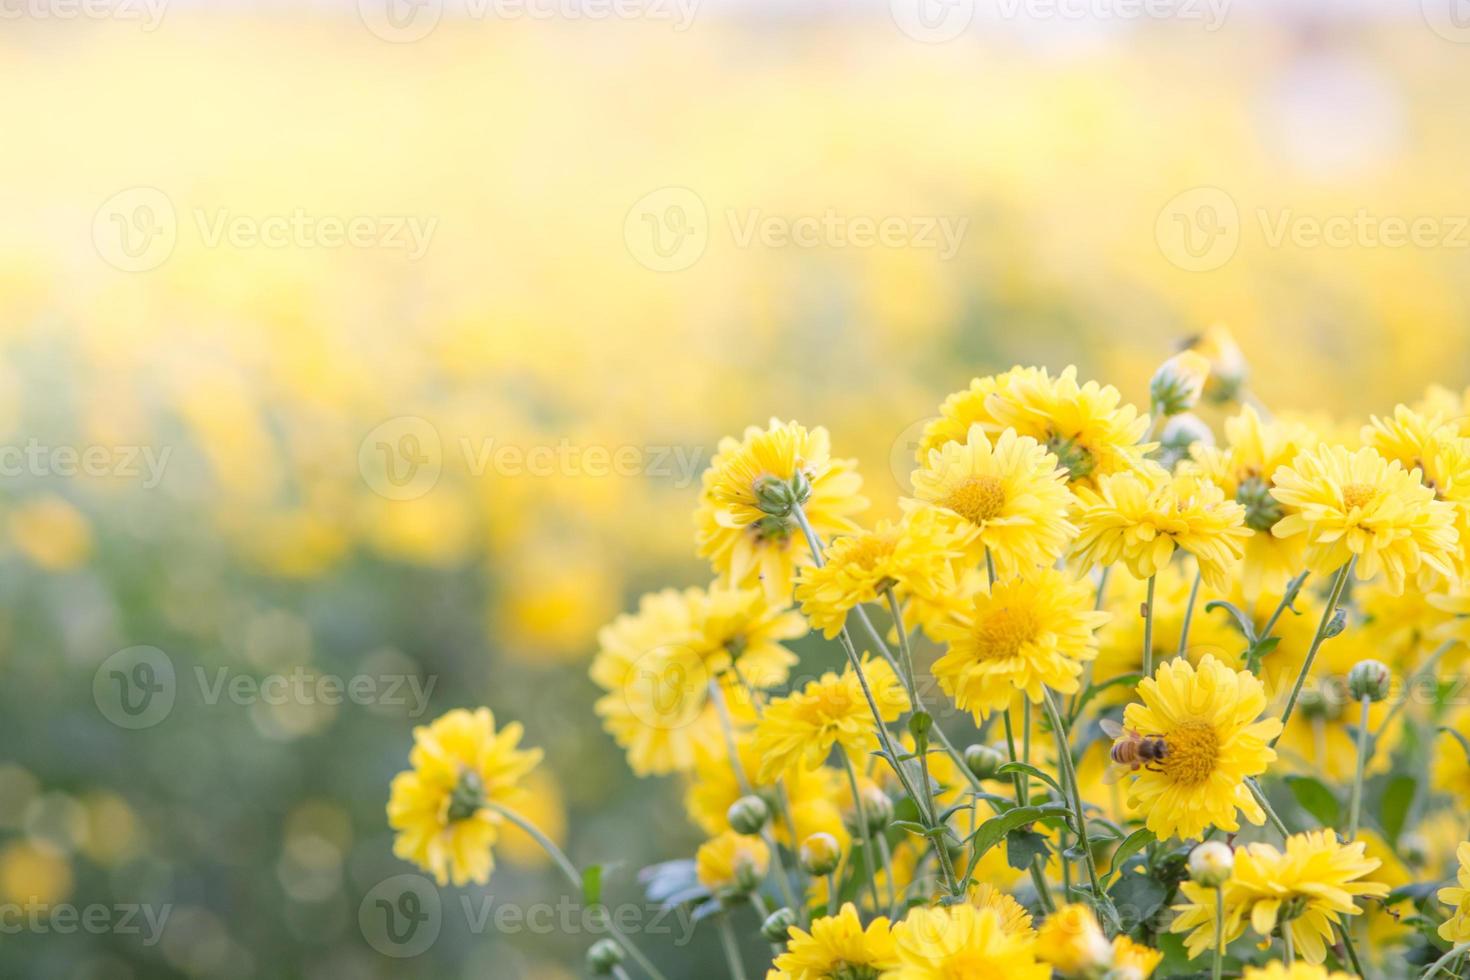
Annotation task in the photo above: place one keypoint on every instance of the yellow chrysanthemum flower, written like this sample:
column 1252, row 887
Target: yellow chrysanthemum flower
column 914, row 557
column 1255, row 449
column 967, row 408
column 1139, row 518
column 1014, row 918
column 731, row 862
column 1208, row 717
column 1089, row 428
column 1007, row 497
column 1307, row 890
column 440, row 807
column 801, row 728
column 1358, row 504
column 811, row 794
column 1071, row 941
column 961, row 942
column 657, row 665
column 1228, row 368
column 1456, row 929
column 1120, row 640
column 748, row 545
column 1134, row 961
column 838, row 946
column 1022, row 635
column 1276, row 970
column 1439, row 451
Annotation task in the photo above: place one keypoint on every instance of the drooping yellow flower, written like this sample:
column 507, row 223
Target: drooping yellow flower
column 961, row 942
column 1456, row 929
column 1014, row 918
column 1132, row 960
column 1253, row 451
column 968, row 407
column 811, row 795
column 1071, row 941
column 657, row 666
column 914, row 556
column 1208, row 717
column 1139, row 518
column 1276, row 970
column 1007, row 497
column 731, row 862
column 801, row 728
column 440, row 807
column 1088, row 427
column 1023, row 635
column 1307, row 890
column 1360, row 504
column 839, row 946
column 748, row 543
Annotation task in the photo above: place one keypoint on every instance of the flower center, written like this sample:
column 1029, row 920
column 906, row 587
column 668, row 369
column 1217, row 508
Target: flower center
column 1194, row 751
column 834, row 700
column 978, row 499
column 1358, row 495
column 870, row 551
column 1003, row 632
column 853, row 971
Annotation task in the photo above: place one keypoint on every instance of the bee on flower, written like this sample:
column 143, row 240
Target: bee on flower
column 446, row 807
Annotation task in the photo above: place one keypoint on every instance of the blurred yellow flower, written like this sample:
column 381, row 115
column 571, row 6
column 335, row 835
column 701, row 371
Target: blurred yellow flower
column 732, row 862
column 1456, row 929
column 1276, row 970
column 839, row 946
column 812, row 794
column 1014, row 918
column 51, row 533
column 34, row 872
column 957, row 942
column 1071, row 941
column 801, row 728
column 441, row 807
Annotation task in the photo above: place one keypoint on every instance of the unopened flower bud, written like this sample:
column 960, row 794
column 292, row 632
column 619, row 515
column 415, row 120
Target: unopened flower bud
column 1228, row 368
column 777, row 497
column 983, row 760
column 1210, row 863
column 748, row 815
column 878, row 809
column 1177, row 384
column 819, row 854
column 1321, row 702
column 1178, row 434
column 1262, row 510
column 777, row 926
column 1337, row 624
column 1369, row 679
column 603, row 956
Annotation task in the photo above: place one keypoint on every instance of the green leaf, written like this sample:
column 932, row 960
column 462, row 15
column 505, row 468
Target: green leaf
column 1242, row 621
column 592, row 885
column 1028, row 769
column 990, row 833
column 917, row 829
column 1093, row 690
column 1023, row 846
column 1137, row 897
column 1398, row 796
column 1316, row 799
column 1131, row 845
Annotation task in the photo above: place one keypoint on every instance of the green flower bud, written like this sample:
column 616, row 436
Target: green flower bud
column 748, row 815
column 1177, row 384
column 1369, row 679
column 1262, row 510
column 983, row 760
column 1210, row 863
column 603, row 956
column 877, row 807
column 778, row 925
column 819, row 854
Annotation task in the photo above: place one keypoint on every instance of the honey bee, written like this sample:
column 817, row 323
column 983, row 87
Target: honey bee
column 1131, row 751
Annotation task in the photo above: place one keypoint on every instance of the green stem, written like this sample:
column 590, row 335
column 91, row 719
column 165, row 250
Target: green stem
column 1447, row 960
column 1023, row 797
column 1260, row 796
column 1424, row 669
column 1069, row 775
column 1219, row 932
column 1338, row 584
column 1356, row 807
column 1352, row 953
column 1148, row 628
column 1189, row 610
column 732, row 948
column 862, row 827
column 575, row 877
column 1286, row 939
